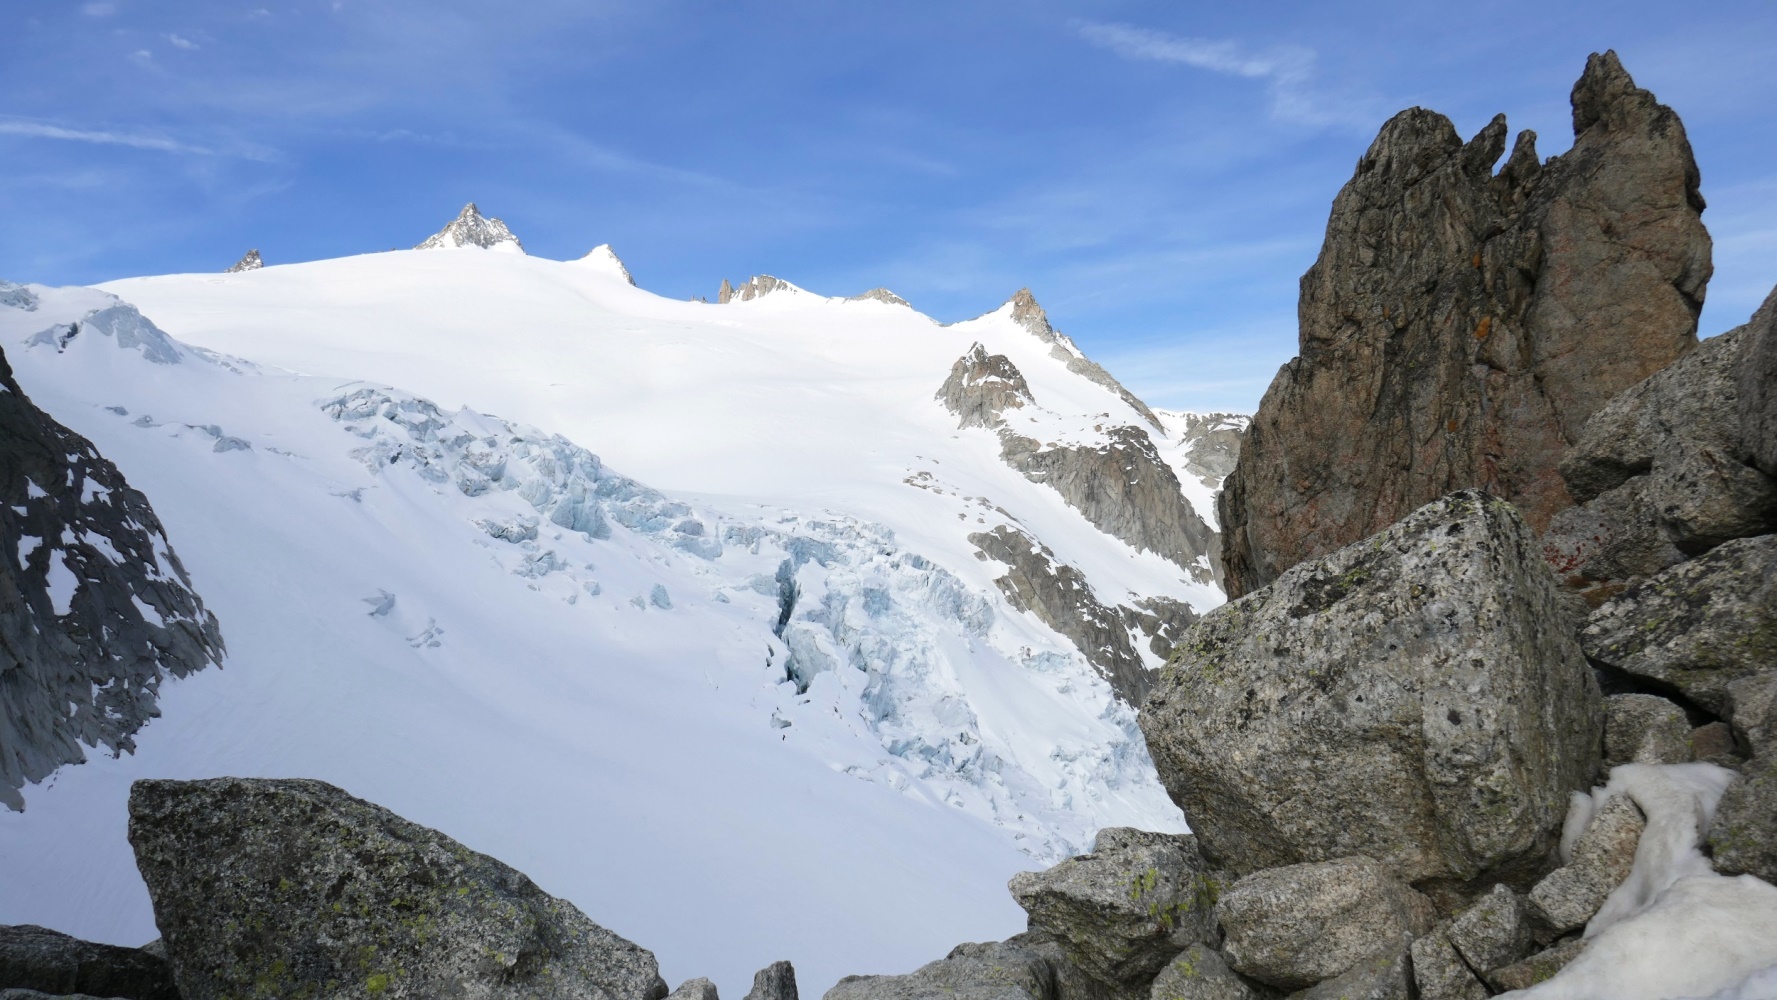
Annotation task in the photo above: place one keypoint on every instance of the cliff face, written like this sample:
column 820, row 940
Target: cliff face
column 1460, row 326
column 94, row 607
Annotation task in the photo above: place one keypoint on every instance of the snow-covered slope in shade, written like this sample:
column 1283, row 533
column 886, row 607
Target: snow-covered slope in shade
column 483, row 627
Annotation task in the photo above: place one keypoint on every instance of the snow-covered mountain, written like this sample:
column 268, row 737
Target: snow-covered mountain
column 695, row 612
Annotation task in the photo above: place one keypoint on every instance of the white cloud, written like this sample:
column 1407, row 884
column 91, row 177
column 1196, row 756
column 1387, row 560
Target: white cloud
column 181, row 42
column 38, row 130
column 98, row 9
column 1287, row 70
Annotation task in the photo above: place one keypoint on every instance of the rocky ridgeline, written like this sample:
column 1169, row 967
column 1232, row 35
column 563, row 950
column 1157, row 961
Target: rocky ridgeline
column 250, row 261
column 472, row 229
column 1117, row 480
column 95, row 609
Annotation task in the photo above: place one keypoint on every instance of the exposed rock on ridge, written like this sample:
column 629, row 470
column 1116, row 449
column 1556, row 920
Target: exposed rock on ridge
column 1026, row 313
column 1122, row 486
column 1460, row 327
column 756, row 286
column 95, row 609
column 471, row 229
column 250, row 262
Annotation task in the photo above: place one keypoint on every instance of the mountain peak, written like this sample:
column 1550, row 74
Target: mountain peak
column 1026, row 313
column 881, row 295
column 604, row 258
column 472, row 229
column 250, row 262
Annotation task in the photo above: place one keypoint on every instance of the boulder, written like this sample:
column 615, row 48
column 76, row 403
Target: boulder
column 290, row 887
column 1601, row 546
column 1439, row 972
column 1645, row 729
column 1743, row 837
column 1493, row 932
column 1071, row 981
column 1602, row 856
column 1460, row 326
column 995, row 971
column 1123, row 913
column 776, row 981
column 24, row 994
column 1758, row 387
column 1697, row 627
column 1198, row 973
column 1375, row 979
column 1678, row 433
column 694, row 989
column 1537, row 968
column 37, row 958
column 1755, row 712
column 1299, row 925
column 1415, row 698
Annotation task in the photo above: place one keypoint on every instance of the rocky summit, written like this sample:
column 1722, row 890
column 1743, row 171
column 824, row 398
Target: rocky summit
column 1460, row 326
column 472, row 229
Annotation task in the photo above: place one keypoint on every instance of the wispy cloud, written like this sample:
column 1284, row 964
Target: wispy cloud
column 180, row 41
column 98, row 9
column 39, row 130
column 1287, row 70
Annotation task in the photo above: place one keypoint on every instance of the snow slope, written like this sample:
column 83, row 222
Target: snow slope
column 484, row 627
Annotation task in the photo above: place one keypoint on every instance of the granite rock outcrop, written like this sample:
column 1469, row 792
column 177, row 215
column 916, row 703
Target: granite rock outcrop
column 1460, row 326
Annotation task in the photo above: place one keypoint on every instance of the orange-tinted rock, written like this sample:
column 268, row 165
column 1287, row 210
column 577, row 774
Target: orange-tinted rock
column 1460, row 326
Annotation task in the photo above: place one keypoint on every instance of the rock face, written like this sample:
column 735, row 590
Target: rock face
column 250, row 262
column 1212, row 442
column 1492, row 933
column 1414, row 698
column 471, row 229
column 776, row 981
column 282, row 888
column 1298, row 925
column 95, row 609
column 1028, row 314
column 1120, row 483
column 1699, row 626
column 36, row 958
column 757, row 286
column 1440, row 973
column 694, row 989
column 1460, row 327
column 1661, row 474
column 1198, row 973
column 1122, row 912
column 1757, row 395
column 997, row 971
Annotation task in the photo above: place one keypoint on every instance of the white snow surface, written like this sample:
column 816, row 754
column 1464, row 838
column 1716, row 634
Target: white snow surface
column 1674, row 928
column 490, row 629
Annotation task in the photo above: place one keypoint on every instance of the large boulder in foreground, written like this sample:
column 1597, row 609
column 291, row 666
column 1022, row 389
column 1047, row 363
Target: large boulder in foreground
column 1699, row 627
column 1460, row 326
column 291, row 887
column 1414, row 698
column 993, row 971
column 1758, row 386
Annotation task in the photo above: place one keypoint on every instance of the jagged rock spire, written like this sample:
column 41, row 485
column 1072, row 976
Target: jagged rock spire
column 250, row 262
column 755, row 287
column 471, row 229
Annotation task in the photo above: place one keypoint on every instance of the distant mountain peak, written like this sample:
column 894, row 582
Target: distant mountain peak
column 250, row 262
column 472, row 229
column 606, row 259
column 1026, row 313
column 881, row 295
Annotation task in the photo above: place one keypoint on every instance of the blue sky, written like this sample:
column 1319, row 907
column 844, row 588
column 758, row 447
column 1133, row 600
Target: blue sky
column 1158, row 173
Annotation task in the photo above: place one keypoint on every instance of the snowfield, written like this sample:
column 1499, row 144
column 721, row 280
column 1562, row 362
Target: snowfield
column 670, row 605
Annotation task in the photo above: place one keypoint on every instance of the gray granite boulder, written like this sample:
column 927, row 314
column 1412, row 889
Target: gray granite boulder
column 1198, row 973
column 1439, row 973
column 776, row 981
column 1758, row 387
column 1493, row 932
column 1645, row 729
column 37, row 958
column 694, row 989
column 1416, row 698
column 1743, row 837
column 994, row 971
column 1299, row 925
column 1122, row 913
column 1538, row 968
column 1374, row 979
column 291, row 887
column 1602, row 856
column 1601, row 546
column 1699, row 626
column 1755, row 712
